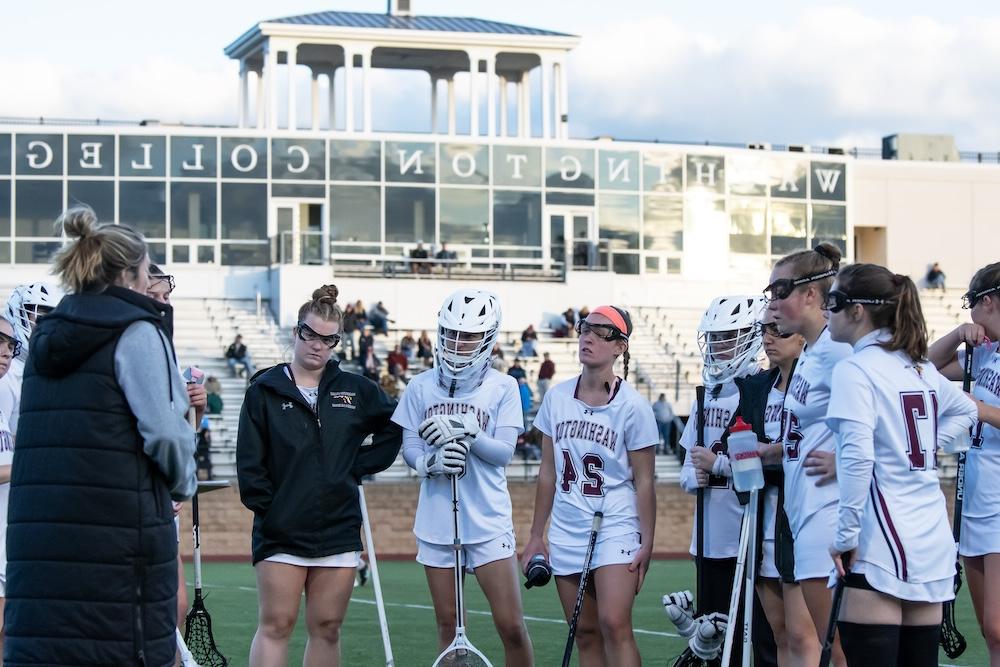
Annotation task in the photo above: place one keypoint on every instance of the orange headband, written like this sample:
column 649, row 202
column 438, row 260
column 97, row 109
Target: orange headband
column 612, row 314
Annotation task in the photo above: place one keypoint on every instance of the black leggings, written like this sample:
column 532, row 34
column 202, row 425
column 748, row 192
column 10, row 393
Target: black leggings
column 887, row 645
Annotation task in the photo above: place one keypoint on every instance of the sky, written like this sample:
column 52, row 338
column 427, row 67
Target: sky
column 787, row 72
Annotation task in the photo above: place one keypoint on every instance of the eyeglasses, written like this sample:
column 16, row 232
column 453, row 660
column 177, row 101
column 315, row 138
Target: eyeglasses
column 13, row 344
column 157, row 279
column 308, row 335
column 602, row 331
column 783, row 287
column 771, row 329
column 837, row 300
column 970, row 298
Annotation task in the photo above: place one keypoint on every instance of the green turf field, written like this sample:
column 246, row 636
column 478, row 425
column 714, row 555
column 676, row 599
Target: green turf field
column 232, row 602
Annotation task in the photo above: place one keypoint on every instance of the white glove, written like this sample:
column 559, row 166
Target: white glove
column 679, row 609
column 706, row 642
column 448, row 460
column 440, row 429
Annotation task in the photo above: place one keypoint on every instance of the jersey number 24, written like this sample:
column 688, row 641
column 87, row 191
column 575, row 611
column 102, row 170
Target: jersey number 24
column 592, row 466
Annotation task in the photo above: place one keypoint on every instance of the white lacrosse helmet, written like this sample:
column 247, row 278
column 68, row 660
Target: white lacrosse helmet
column 729, row 337
column 468, row 324
column 26, row 303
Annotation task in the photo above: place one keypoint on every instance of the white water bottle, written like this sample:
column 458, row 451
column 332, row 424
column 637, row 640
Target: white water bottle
column 748, row 473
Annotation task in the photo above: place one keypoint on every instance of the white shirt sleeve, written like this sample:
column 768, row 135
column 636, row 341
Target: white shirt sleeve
column 689, row 437
column 957, row 413
column 855, row 462
column 851, row 396
column 641, row 431
column 407, row 413
column 413, row 447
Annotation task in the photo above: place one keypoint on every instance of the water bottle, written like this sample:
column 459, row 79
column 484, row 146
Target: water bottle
column 748, row 473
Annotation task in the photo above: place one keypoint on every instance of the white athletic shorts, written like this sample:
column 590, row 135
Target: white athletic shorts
column 473, row 555
column 886, row 582
column 812, row 545
column 347, row 559
column 616, row 550
column 980, row 535
column 768, row 570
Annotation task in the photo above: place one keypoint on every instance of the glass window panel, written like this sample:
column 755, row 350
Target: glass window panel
column 747, row 228
column 662, row 171
column 142, row 205
column 39, row 203
column 35, row 252
column 192, row 210
column 355, row 213
column 828, row 180
column 517, row 166
column 298, row 159
column 829, row 223
column 788, row 178
column 244, row 212
column 652, row 264
column 465, row 216
column 39, row 154
column 90, row 155
column 157, row 253
column 245, row 254
column 355, row 161
column 5, row 140
column 297, row 190
column 180, row 254
column 673, row 264
column 206, row 254
column 244, row 157
column 569, row 198
column 517, row 218
column 4, row 209
column 465, row 164
column 142, row 156
column 520, row 253
column 569, row 168
column 409, row 215
column 98, row 195
column 4, row 251
column 619, row 170
column 618, row 219
column 788, row 227
column 748, row 174
column 626, row 263
column 663, row 223
column 193, row 157
column 409, row 162
column 706, row 173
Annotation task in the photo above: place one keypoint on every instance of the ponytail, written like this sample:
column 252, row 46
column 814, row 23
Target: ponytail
column 901, row 312
column 626, row 358
column 909, row 330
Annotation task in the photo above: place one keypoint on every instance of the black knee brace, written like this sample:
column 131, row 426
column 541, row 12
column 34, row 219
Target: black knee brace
column 867, row 645
column 918, row 645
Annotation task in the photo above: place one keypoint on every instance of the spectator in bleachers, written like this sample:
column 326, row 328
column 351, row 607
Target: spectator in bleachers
column 529, row 338
column 664, row 415
column 350, row 326
column 398, row 363
column 202, row 455
column 527, row 399
column 935, row 277
column 214, row 389
column 408, row 345
column 392, row 386
column 361, row 313
column 365, row 341
column 445, row 254
column 420, row 254
column 516, row 371
column 370, row 364
column 570, row 317
column 527, row 447
column 237, row 353
column 378, row 317
column 545, row 374
column 425, row 349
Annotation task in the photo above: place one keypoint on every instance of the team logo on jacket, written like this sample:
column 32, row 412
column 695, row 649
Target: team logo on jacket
column 288, row 405
column 343, row 399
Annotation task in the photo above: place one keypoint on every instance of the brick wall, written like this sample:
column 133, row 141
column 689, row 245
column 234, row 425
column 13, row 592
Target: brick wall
column 226, row 523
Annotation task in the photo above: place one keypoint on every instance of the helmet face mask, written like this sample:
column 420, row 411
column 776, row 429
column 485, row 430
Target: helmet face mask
column 729, row 338
column 468, row 325
column 28, row 303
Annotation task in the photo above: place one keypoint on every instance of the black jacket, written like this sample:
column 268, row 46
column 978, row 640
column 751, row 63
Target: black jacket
column 299, row 471
column 91, row 543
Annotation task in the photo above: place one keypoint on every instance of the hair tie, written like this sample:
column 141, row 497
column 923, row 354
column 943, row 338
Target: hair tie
column 898, row 279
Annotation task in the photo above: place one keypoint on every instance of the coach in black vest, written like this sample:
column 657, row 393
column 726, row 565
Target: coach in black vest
column 102, row 447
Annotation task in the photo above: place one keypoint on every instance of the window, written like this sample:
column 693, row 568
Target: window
column 517, row 218
column 663, row 223
column 788, row 227
column 192, row 210
column 4, row 208
column 39, row 203
column 244, row 212
column 355, row 161
column 355, row 213
column 618, row 216
column 298, row 159
column 465, row 216
column 747, row 233
column 619, row 170
column 829, row 223
column 142, row 156
column 39, row 154
column 4, row 154
column 409, row 215
column 662, row 172
column 465, row 164
column 194, row 157
column 409, row 162
column 244, row 157
column 242, row 254
column 569, row 168
column 35, row 252
column 91, row 155
column 98, row 195
column 517, row 166
column 143, row 207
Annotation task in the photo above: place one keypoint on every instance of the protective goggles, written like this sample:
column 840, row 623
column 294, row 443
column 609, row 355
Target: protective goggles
column 10, row 342
column 771, row 329
column 308, row 335
column 970, row 298
column 157, row 279
column 603, row 331
column 836, row 301
column 783, row 287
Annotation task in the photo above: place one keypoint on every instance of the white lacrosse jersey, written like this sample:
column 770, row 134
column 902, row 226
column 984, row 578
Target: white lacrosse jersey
column 590, row 445
column 723, row 512
column 805, row 429
column 10, row 393
column 6, row 459
column 904, row 528
column 484, row 505
column 772, row 429
column 982, row 463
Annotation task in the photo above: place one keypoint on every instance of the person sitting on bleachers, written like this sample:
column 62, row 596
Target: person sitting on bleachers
column 527, row 446
column 935, row 277
column 237, row 353
column 420, row 254
column 378, row 317
column 397, row 363
column 214, row 389
column 516, row 371
column 408, row 345
column 202, row 455
column 425, row 349
column 529, row 337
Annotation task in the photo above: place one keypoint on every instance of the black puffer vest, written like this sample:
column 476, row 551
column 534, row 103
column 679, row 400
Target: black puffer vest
column 92, row 549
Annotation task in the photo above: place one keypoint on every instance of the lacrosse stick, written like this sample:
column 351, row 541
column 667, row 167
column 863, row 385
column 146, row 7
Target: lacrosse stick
column 460, row 652
column 382, row 622
column 831, row 628
column 741, row 561
column 582, row 590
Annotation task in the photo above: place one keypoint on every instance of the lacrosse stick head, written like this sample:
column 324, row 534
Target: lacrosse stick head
column 952, row 641
column 689, row 659
column 460, row 653
column 199, row 639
